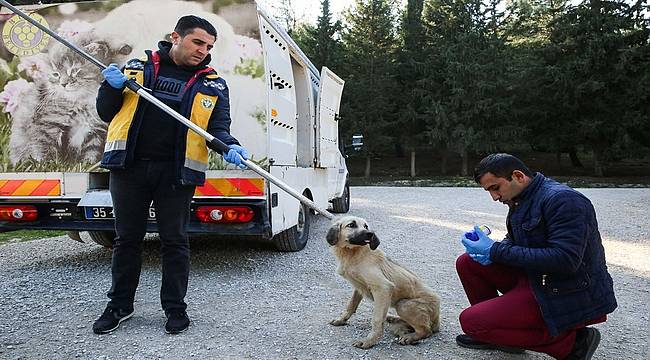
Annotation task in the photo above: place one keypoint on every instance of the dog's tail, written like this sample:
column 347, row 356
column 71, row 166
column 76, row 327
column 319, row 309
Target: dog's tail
column 398, row 326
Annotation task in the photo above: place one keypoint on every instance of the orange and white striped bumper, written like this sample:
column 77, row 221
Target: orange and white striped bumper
column 30, row 187
column 231, row 187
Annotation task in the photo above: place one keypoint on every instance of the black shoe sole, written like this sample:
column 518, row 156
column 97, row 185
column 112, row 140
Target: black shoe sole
column 506, row 349
column 174, row 332
column 510, row 350
column 101, row 332
column 593, row 344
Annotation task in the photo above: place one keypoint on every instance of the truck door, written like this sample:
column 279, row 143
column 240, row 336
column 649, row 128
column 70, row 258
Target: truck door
column 327, row 130
column 282, row 97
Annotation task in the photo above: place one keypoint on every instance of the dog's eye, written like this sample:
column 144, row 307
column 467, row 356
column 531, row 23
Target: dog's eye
column 351, row 225
column 365, row 226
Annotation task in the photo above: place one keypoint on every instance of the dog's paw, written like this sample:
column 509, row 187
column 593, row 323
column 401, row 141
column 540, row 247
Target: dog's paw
column 338, row 322
column 392, row 319
column 364, row 344
column 408, row 339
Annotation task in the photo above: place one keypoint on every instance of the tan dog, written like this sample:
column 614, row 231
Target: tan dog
column 386, row 283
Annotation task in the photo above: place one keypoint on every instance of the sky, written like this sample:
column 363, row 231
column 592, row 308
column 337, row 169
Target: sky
column 308, row 10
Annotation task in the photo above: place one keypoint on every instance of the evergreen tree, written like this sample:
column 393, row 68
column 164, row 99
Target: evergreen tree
column 596, row 47
column 466, row 102
column 539, row 107
column 368, row 105
column 410, row 62
column 321, row 43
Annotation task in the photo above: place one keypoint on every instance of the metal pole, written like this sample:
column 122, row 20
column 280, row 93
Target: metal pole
column 137, row 88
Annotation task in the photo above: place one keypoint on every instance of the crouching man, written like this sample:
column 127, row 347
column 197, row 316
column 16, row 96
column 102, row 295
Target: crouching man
column 550, row 268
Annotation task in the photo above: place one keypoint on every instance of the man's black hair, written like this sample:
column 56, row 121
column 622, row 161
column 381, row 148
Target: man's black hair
column 188, row 23
column 501, row 165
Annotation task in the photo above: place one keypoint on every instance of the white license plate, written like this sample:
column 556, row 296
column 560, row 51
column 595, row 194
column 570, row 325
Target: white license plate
column 97, row 212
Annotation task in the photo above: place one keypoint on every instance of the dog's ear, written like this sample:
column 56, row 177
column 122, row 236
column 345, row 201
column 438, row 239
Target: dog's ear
column 374, row 242
column 332, row 236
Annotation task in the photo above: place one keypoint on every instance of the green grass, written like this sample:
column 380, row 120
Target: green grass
column 27, row 235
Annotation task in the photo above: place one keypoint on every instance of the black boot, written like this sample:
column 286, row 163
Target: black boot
column 177, row 322
column 587, row 340
column 467, row 341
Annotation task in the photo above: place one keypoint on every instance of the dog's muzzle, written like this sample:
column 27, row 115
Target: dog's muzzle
column 366, row 238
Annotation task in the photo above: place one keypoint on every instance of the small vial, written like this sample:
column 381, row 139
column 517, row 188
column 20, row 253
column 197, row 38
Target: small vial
column 474, row 237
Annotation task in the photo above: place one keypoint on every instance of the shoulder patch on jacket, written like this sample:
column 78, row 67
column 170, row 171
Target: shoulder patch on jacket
column 212, row 76
column 215, row 83
column 135, row 64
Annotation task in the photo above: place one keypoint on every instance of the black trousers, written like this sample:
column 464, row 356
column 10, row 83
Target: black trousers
column 133, row 191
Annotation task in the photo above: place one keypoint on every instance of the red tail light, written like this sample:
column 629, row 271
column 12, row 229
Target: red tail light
column 18, row 213
column 224, row 214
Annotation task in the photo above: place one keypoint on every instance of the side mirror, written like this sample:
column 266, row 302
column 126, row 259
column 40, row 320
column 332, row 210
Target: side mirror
column 357, row 143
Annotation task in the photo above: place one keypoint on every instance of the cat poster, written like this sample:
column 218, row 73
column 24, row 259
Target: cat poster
column 48, row 119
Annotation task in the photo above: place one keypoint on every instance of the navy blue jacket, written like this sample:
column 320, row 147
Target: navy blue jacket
column 553, row 235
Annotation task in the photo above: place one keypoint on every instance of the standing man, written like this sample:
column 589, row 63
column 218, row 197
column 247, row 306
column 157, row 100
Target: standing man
column 550, row 268
column 153, row 157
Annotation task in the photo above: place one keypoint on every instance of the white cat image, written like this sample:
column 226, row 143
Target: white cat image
column 56, row 118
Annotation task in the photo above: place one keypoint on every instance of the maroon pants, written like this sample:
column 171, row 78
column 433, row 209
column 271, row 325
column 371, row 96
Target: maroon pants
column 512, row 319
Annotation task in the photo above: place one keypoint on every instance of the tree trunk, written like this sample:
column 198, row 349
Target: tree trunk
column 412, row 163
column 399, row 150
column 444, row 157
column 599, row 167
column 465, row 162
column 575, row 161
column 367, row 171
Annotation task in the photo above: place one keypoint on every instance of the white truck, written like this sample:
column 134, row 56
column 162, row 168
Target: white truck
column 284, row 111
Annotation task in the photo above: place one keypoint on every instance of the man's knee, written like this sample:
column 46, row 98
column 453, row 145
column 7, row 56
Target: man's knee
column 175, row 241
column 463, row 262
column 468, row 319
column 129, row 240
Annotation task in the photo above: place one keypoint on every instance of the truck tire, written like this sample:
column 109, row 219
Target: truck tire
column 103, row 238
column 342, row 204
column 295, row 238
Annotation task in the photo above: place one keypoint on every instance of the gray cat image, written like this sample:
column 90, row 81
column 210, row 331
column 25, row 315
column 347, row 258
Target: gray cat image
column 57, row 120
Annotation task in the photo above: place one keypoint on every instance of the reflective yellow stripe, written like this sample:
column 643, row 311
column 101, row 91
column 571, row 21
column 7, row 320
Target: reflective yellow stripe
column 118, row 129
column 202, row 107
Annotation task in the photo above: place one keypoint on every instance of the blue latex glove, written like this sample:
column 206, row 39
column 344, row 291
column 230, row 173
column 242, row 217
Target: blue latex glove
column 471, row 235
column 235, row 155
column 481, row 259
column 481, row 246
column 114, row 76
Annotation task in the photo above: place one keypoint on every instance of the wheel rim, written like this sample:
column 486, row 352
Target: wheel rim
column 300, row 228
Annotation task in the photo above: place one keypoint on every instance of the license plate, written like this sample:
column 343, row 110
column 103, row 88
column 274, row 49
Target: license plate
column 94, row 212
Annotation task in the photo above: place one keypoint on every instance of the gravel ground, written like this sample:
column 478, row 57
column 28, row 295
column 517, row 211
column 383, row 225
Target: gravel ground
column 248, row 301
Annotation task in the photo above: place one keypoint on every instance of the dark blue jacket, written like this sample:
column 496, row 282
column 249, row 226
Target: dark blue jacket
column 553, row 235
